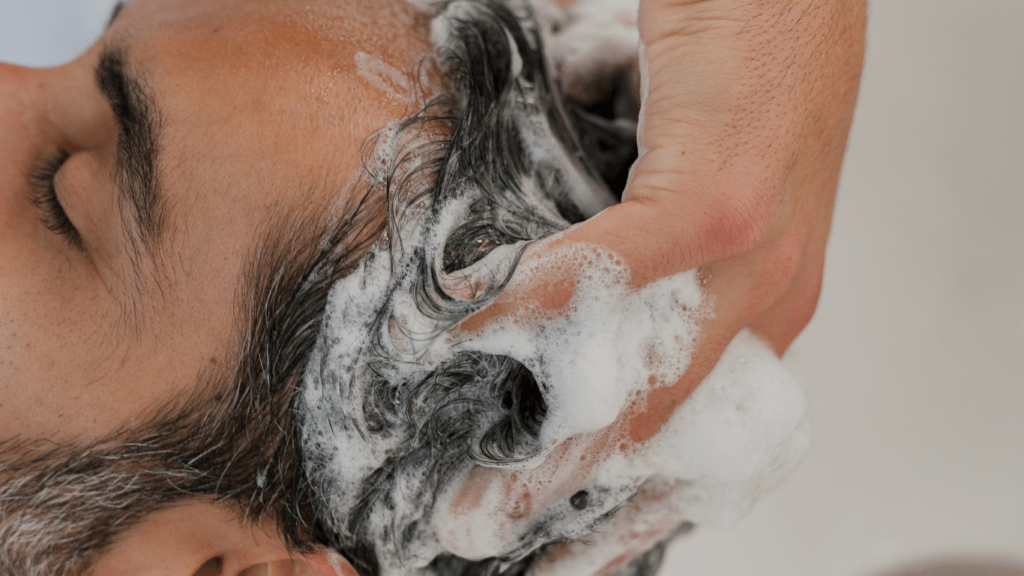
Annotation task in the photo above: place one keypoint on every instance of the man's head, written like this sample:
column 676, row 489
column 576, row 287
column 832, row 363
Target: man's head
column 208, row 193
column 161, row 199
column 185, row 137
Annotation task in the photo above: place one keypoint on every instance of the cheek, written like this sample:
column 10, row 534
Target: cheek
column 53, row 352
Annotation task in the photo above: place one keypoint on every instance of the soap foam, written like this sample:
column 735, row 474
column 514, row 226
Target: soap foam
column 734, row 437
column 595, row 45
column 613, row 343
column 737, row 435
column 384, row 77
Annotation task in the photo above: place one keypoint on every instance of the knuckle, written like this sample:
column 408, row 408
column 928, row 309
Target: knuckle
column 741, row 222
column 782, row 265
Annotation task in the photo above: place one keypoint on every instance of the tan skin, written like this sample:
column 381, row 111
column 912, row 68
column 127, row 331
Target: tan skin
column 745, row 122
column 234, row 149
column 245, row 89
column 739, row 181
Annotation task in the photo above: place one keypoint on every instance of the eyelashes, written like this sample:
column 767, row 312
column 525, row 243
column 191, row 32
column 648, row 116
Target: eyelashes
column 45, row 198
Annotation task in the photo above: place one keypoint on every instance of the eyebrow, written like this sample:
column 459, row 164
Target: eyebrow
column 138, row 124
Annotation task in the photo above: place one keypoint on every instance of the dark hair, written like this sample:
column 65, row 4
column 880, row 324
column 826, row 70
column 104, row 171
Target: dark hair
column 474, row 407
column 237, row 437
column 233, row 438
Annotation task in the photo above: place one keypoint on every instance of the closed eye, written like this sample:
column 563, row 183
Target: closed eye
column 45, row 198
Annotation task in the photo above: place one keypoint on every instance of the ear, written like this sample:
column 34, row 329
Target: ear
column 323, row 563
column 201, row 538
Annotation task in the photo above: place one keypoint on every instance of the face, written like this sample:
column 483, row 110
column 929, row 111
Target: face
column 119, row 277
column 256, row 109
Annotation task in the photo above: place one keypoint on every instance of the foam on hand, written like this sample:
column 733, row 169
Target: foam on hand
column 737, row 435
column 612, row 342
column 411, row 435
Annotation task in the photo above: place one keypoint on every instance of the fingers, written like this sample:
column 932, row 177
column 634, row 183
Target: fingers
column 745, row 120
column 742, row 150
column 646, row 520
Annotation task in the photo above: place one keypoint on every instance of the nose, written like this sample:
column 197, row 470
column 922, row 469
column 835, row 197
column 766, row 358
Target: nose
column 24, row 133
column 20, row 91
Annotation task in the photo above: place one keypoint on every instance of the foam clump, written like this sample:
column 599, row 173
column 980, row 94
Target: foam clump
column 612, row 344
column 739, row 434
column 596, row 44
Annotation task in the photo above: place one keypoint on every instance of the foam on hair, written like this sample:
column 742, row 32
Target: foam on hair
column 396, row 413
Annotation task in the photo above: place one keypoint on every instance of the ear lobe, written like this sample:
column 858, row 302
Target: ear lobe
column 328, row 563
column 201, row 538
column 321, row 563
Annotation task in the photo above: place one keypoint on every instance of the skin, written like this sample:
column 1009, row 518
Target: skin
column 180, row 541
column 745, row 124
column 256, row 98
column 234, row 150
column 263, row 112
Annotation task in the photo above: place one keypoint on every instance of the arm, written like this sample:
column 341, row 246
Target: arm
column 744, row 126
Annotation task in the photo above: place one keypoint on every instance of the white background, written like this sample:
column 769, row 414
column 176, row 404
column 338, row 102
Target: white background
column 914, row 364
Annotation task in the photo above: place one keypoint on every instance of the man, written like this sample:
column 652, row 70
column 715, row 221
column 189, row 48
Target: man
column 202, row 154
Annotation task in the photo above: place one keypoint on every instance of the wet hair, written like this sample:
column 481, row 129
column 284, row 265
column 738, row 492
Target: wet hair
column 520, row 164
column 232, row 439
column 237, row 438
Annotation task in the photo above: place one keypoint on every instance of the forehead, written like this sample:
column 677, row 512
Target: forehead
column 262, row 109
column 384, row 26
column 271, row 94
column 282, row 43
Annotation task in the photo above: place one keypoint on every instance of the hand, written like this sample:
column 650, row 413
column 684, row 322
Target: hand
column 744, row 126
column 647, row 519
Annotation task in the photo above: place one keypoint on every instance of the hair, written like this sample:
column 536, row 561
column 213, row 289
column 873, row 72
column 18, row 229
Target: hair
column 237, row 438
column 232, row 439
column 426, row 428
